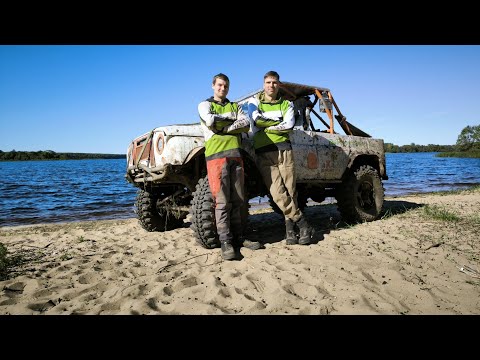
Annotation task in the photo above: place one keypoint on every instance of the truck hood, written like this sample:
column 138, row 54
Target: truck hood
column 181, row 130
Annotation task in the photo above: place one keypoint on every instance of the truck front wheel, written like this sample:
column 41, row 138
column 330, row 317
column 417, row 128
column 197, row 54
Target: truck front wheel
column 153, row 217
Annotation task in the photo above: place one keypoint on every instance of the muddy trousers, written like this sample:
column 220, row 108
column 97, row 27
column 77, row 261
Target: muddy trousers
column 278, row 173
column 226, row 180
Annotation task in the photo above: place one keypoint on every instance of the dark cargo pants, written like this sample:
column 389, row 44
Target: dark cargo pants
column 226, row 180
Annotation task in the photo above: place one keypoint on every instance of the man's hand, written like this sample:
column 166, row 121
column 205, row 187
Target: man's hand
column 239, row 126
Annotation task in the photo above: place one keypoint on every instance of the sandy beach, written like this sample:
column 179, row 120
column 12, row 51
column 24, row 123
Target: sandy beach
column 422, row 257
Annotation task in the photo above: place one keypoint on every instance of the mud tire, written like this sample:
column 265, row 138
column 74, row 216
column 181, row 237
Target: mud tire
column 202, row 213
column 152, row 218
column 360, row 197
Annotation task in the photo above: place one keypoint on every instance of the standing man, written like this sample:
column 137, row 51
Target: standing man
column 273, row 119
column 222, row 123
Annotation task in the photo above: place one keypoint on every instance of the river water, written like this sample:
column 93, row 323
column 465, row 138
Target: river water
column 35, row 192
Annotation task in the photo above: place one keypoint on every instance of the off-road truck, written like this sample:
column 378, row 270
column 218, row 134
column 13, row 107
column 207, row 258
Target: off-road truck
column 167, row 165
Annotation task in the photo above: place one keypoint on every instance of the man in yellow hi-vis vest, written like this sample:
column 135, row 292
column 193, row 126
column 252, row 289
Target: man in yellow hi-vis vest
column 272, row 120
column 222, row 123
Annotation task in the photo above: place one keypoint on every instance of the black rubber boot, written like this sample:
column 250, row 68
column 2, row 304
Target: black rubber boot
column 290, row 236
column 306, row 231
column 228, row 252
column 249, row 244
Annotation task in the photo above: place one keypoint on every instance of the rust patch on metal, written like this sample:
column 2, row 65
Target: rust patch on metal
column 147, row 154
column 312, row 161
column 152, row 156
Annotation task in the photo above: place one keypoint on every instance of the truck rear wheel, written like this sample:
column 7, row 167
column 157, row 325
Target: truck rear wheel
column 157, row 218
column 360, row 197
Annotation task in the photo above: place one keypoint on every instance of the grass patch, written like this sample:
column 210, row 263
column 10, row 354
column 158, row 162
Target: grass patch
column 460, row 154
column 474, row 220
column 439, row 213
column 3, row 262
column 388, row 213
column 14, row 263
column 468, row 190
column 66, row 257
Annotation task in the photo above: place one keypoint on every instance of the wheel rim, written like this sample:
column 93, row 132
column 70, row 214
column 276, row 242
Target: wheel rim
column 365, row 195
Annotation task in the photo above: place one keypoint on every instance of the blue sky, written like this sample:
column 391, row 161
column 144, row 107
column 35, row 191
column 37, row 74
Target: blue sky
column 96, row 99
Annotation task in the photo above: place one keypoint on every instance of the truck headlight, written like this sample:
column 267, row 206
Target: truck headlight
column 160, row 143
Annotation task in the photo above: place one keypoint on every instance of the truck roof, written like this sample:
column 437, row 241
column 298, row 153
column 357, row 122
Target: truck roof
column 288, row 90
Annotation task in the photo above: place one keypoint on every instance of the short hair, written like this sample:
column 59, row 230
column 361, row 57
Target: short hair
column 272, row 73
column 221, row 76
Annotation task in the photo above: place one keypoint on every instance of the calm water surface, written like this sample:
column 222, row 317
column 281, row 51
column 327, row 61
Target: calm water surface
column 424, row 172
column 71, row 190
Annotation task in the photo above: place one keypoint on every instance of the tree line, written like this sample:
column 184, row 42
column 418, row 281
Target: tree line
column 468, row 145
column 392, row 148
column 52, row 155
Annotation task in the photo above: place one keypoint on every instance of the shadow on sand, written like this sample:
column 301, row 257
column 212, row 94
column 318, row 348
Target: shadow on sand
column 269, row 227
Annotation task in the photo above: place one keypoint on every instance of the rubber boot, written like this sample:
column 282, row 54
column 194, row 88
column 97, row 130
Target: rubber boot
column 228, row 252
column 290, row 237
column 306, row 231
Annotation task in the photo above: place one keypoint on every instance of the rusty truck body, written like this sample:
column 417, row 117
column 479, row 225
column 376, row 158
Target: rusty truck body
column 168, row 167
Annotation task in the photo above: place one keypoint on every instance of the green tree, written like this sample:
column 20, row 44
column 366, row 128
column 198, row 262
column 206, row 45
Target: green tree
column 469, row 138
column 391, row 148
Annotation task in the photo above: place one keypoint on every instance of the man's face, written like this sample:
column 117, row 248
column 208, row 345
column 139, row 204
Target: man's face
column 270, row 85
column 220, row 88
